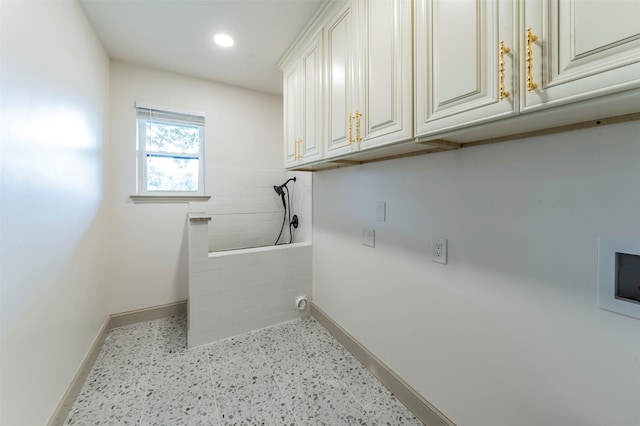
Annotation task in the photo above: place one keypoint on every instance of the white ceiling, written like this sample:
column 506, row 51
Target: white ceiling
column 177, row 35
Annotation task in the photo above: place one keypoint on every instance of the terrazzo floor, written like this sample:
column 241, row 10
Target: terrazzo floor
column 294, row 373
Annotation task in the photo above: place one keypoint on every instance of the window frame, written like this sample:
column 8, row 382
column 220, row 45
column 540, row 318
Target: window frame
column 171, row 116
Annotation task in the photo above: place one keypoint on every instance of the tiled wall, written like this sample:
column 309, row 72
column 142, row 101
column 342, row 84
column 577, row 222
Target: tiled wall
column 246, row 211
column 237, row 291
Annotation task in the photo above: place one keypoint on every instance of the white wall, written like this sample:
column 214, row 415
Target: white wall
column 508, row 333
column 55, row 87
column 243, row 156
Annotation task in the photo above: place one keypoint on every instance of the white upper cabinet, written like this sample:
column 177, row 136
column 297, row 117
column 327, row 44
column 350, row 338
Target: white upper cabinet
column 291, row 117
column 385, row 72
column 369, row 75
column 466, row 63
column 375, row 73
column 303, row 106
column 341, row 93
column 483, row 60
column 582, row 49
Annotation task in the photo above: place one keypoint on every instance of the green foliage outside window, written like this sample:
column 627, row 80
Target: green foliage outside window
column 172, row 173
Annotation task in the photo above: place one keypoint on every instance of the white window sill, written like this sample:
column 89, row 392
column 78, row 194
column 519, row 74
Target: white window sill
column 145, row 199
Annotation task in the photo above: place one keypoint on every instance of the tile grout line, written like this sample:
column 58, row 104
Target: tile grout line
column 336, row 376
column 347, row 388
column 282, row 394
column 213, row 388
column 146, row 385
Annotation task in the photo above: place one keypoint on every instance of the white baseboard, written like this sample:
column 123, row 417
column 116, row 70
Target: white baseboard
column 418, row 404
column 113, row 321
column 63, row 408
column 147, row 314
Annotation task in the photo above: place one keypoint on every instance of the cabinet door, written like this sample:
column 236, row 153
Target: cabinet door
column 340, row 64
column 311, row 102
column 460, row 66
column 584, row 49
column 385, row 70
column 291, row 100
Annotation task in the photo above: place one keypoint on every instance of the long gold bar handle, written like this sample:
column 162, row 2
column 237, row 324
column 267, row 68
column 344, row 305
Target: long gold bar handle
column 358, row 115
column 503, row 50
column 300, row 150
column 530, row 39
column 351, row 117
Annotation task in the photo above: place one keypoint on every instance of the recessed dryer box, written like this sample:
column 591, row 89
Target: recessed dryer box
column 619, row 277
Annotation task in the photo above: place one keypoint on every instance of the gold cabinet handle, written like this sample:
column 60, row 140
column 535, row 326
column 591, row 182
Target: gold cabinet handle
column 358, row 115
column 351, row 117
column 296, row 152
column 300, row 151
column 530, row 39
column 503, row 50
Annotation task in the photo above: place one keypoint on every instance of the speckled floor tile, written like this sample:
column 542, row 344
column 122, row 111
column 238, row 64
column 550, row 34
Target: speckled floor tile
column 294, row 373
column 312, row 330
column 172, row 336
column 255, row 402
column 388, row 411
column 86, row 411
column 229, row 349
column 279, row 339
column 322, row 400
column 180, row 391
column 357, row 379
column 239, row 372
column 292, row 367
column 125, row 411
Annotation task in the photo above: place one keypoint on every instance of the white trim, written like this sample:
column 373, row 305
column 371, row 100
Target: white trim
column 177, row 110
column 174, row 198
column 147, row 314
column 248, row 250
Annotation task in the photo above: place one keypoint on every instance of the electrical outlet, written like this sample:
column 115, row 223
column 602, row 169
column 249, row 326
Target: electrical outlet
column 439, row 250
column 369, row 237
column 381, row 211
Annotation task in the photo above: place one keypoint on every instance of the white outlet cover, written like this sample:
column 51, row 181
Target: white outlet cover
column 369, row 237
column 381, row 211
column 439, row 250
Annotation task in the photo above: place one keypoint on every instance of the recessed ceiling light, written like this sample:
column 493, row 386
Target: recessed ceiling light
column 223, row 40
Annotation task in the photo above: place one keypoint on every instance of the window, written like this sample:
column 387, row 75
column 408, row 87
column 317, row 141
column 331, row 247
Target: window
column 170, row 151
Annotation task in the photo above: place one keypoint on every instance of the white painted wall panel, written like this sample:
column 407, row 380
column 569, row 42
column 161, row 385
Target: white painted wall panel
column 509, row 331
column 54, row 80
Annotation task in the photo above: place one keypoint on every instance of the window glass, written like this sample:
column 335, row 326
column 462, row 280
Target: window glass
column 170, row 152
column 172, row 174
column 172, row 138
